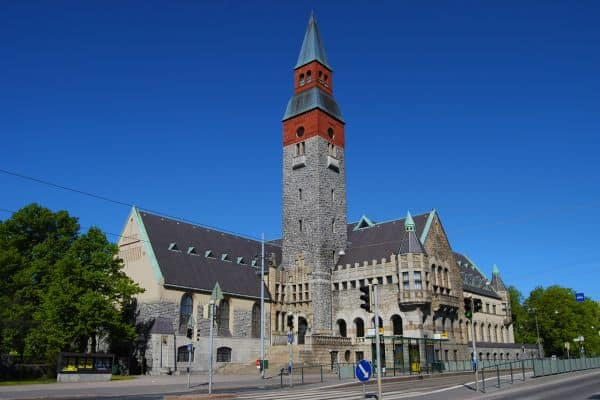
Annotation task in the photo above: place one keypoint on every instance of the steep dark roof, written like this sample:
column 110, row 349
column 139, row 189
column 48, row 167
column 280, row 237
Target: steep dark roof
column 473, row 280
column 312, row 46
column 378, row 241
column 311, row 99
column 410, row 243
column 198, row 272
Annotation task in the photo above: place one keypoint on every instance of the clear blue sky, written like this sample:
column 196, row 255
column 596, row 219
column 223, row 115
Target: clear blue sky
column 487, row 111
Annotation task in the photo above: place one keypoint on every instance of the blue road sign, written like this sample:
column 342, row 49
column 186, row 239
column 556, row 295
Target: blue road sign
column 363, row 370
column 290, row 337
column 579, row 297
column 189, row 346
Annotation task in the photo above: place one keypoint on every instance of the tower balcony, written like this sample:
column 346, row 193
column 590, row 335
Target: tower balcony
column 299, row 162
column 333, row 163
column 413, row 297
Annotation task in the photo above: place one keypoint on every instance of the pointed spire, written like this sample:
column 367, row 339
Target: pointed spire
column 312, row 46
column 409, row 223
column 495, row 270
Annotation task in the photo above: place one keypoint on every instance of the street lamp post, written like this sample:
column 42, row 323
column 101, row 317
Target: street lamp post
column 537, row 331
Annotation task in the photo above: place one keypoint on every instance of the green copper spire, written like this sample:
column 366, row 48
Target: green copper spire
column 495, row 270
column 312, row 46
column 409, row 223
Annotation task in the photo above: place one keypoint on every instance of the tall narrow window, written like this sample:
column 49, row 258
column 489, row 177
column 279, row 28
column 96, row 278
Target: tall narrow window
column 332, row 195
column 300, row 194
column 300, row 131
column 333, row 226
column 405, row 281
column 300, row 225
column 256, row 320
column 185, row 311
column 301, row 82
column 308, row 76
column 417, row 278
column 330, row 133
column 222, row 318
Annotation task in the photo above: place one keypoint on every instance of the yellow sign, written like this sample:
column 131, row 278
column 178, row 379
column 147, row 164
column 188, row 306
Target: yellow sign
column 444, row 335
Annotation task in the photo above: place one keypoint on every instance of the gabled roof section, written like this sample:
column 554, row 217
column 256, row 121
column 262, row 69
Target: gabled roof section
column 474, row 280
column 364, row 222
column 378, row 241
column 309, row 100
column 181, row 270
column 312, row 46
column 410, row 242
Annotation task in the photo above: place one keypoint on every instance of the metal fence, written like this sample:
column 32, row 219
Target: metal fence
column 552, row 366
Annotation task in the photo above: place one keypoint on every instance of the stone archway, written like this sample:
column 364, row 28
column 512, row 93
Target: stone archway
column 302, row 328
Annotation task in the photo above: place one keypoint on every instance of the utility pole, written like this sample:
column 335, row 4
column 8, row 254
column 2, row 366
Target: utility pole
column 262, row 308
column 210, row 363
column 537, row 330
column 377, row 344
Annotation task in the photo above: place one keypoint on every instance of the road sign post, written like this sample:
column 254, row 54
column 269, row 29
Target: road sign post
column 290, row 338
column 377, row 345
column 363, row 373
column 579, row 297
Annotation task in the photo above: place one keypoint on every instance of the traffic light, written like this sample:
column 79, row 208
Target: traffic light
column 468, row 308
column 189, row 333
column 477, row 305
column 365, row 297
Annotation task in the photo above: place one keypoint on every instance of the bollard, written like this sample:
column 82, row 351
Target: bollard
column 339, row 372
column 281, row 377
column 511, row 374
column 321, row 365
column 302, row 374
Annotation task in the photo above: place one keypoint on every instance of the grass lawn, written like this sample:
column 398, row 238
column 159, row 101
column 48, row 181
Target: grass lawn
column 28, row 381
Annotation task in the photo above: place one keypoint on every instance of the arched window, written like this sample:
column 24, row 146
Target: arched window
column 300, row 131
column 496, row 334
column 330, row 133
column 446, row 277
column 341, row 327
column 183, row 354
column 359, row 326
column 397, row 325
column 185, row 311
column 347, row 355
column 460, row 329
column 224, row 354
column 380, row 322
column 256, row 320
column 301, row 81
column 489, row 333
column 223, row 318
column 308, row 76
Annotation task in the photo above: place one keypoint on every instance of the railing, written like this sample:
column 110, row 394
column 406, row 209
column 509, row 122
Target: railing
column 514, row 367
column 552, row 366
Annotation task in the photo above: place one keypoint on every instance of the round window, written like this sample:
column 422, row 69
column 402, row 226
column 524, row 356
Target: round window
column 300, row 131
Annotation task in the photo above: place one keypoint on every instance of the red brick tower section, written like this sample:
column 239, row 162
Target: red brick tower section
column 314, row 122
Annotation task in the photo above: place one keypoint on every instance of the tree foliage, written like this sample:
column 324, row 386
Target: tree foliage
column 59, row 290
column 560, row 319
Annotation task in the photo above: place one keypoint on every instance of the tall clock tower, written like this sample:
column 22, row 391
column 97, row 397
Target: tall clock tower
column 314, row 180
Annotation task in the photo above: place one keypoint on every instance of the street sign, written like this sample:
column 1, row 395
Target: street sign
column 580, row 297
column 363, row 371
column 189, row 346
column 290, row 338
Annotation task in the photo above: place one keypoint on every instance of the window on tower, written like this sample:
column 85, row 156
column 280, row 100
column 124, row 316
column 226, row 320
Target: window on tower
column 331, row 150
column 300, row 131
column 300, row 225
column 301, row 80
column 300, row 194
column 333, row 226
column 308, row 76
column 330, row 133
column 332, row 195
column 300, row 148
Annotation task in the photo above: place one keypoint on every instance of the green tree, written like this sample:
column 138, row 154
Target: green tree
column 69, row 288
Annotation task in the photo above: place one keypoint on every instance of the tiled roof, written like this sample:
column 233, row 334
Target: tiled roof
column 473, row 280
column 312, row 46
column 197, row 271
column 378, row 241
column 311, row 99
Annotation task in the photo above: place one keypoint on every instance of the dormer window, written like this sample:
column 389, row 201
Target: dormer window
column 192, row 251
column 240, row 260
column 254, row 262
column 173, row 247
column 209, row 254
column 225, row 257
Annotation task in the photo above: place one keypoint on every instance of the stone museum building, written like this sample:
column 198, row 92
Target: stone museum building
column 315, row 270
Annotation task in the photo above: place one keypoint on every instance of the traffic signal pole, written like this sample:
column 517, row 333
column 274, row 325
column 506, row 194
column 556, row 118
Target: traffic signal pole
column 474, row 347
column 377, row 342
